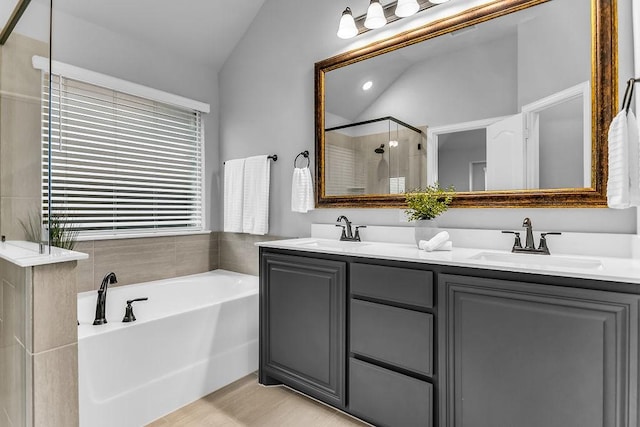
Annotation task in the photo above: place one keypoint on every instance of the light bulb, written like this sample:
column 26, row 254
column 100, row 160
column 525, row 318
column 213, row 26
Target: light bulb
column 375, row 16
column 347, row 28
column 406, row 8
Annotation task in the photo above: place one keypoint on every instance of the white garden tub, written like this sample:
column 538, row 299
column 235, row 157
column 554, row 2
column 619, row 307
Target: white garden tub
column 194, row 335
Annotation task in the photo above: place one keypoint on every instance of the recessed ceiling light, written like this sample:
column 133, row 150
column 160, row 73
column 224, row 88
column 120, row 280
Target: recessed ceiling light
column 367, row 85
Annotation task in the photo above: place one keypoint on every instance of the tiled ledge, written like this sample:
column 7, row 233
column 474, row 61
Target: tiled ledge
column 26, row 254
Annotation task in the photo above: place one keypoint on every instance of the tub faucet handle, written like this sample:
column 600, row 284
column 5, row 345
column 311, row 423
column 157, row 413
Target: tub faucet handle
column 128, row 314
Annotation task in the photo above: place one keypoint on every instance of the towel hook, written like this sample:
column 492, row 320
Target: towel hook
column 304, row 154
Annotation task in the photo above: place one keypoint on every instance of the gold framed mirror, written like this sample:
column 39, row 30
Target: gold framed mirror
column 360, row 161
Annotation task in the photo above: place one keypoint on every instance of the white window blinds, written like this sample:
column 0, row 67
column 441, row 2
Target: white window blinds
column 120, row 163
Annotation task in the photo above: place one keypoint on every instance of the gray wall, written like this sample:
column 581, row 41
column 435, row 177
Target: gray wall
column 446, row 90
column 266, row 105
column 561, row 145
column 455, row 151
column 543, row 70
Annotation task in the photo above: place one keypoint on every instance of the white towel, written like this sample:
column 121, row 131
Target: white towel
column 623, row 185
column 233, row 190
column 255, row 205
column 446, row 246
column 634, row 160
column 435, row 242
column 302, row 199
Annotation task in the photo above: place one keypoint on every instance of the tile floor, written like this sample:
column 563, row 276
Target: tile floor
column 246, row 403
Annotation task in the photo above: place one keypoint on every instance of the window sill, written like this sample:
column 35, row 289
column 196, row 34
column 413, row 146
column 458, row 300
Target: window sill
column 138, row 235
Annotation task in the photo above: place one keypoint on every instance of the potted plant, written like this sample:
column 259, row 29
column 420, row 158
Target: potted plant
column 424, row 206
column 62, row 234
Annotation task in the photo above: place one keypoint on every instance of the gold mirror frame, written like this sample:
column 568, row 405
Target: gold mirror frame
column 604, row 91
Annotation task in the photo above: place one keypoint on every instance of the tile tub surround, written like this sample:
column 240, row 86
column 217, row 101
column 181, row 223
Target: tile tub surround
column 238, row 251
column 38, row 338
column 145, row 259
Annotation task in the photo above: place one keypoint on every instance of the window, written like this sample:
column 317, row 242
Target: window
column 120, row 163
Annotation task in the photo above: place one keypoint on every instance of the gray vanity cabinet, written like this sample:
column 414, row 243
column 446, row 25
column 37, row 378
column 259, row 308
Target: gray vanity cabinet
column 529, row 355
column 391, row 345
column 302, row 329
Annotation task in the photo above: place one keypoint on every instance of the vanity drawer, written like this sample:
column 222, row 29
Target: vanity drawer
column 386, row 398
column 400, row 285
column 392, row 335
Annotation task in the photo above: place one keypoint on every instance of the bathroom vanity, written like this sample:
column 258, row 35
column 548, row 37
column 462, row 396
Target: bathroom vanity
column 399, row 337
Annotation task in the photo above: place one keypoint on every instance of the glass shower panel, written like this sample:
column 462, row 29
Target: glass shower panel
column 22, row 125
column 21, row 131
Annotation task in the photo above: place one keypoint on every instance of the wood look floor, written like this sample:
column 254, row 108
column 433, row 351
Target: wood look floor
column 247, row 403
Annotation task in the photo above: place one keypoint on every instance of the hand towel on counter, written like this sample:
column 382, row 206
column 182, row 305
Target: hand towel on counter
column 255, row 205
column 623, row 185
column 233, row 189
column 439, row 242
column 302, row 199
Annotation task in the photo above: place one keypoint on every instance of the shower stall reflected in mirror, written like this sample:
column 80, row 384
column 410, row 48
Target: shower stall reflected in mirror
column 379, row 156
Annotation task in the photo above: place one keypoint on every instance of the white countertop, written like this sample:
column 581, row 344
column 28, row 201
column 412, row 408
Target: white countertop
column 597, row 268
column 26, row 254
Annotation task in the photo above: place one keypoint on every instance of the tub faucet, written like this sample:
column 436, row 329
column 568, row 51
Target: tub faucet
column 101, row 303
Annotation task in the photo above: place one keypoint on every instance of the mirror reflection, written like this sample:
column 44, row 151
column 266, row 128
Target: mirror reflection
column 503, row 105
column 380, row 156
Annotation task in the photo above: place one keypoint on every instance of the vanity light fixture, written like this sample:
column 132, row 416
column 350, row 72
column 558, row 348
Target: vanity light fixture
column 367, row 85
column 375, row 16
column 378, row 15
column 406, row 8
column 347, row 28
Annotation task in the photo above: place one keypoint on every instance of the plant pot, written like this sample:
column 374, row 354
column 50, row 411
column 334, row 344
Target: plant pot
column 426, row 229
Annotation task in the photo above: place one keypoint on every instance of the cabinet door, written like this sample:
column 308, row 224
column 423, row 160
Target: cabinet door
column 527, row 355
column 302, row 330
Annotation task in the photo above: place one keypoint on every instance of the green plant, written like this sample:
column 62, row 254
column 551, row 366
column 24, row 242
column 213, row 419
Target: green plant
column 61, row 233
column 429, row 202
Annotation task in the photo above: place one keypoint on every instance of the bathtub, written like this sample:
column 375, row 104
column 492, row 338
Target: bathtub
column 194, row 335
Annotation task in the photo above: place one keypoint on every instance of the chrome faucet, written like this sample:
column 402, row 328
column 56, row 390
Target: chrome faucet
column 347, row 233
column 101, row 303
column 529, row 244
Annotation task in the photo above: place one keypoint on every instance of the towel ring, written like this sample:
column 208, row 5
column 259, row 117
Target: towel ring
column 628, row 94
column 304, row 154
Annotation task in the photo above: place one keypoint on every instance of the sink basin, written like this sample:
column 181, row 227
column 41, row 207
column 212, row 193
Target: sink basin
column 538, row 260
column 332, row 244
